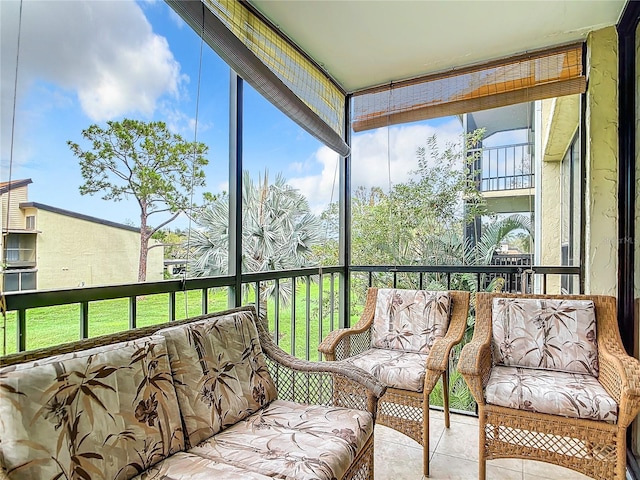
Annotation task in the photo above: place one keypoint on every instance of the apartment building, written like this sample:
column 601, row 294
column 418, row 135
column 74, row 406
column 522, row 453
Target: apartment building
column 45, row 247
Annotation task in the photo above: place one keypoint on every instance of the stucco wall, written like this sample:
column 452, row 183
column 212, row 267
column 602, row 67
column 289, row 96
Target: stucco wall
column 72, row 252
column 601, row 222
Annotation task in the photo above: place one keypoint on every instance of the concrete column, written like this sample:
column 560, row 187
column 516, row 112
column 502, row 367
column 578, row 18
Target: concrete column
column 601, row 192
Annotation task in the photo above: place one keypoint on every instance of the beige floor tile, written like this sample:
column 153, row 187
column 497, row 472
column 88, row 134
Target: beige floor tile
column 436, row 427
column 396, row 461
column 532, row 469
column 508, row 463
column 460, row 440
column 454, row 468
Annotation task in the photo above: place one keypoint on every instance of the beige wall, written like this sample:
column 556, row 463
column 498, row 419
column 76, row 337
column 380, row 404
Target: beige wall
column 16, row 216
column 601, row 222
column 72, row 252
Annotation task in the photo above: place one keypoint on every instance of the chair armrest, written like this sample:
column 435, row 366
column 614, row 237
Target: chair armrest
column 345, row 343
column 620, row 377
column 475, row 366
column 320, row 383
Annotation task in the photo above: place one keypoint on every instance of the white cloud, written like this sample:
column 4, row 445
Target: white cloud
column 372, row 162
column 104, row 52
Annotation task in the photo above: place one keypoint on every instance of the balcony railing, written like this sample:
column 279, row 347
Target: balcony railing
column 507, row 167
column 298, row 323
column 20, row 257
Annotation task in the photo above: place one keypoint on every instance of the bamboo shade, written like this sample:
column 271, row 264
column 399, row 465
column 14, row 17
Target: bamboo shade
column 271, row 65
column 534, row 76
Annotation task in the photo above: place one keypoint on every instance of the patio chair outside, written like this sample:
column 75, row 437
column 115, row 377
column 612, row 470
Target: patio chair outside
column 404, row 338
column 552, row 381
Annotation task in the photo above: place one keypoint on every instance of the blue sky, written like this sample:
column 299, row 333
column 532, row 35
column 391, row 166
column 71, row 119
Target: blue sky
column 81, row 63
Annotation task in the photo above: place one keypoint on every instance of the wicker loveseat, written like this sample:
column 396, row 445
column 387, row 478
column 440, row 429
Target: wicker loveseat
column 207, row 397
column 404, row 338
column 552, row 381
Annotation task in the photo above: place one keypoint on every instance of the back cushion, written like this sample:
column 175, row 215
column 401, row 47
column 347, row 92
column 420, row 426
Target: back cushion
column 409, row 320
column 544, row 333
column 220, row 372
column 106, row 412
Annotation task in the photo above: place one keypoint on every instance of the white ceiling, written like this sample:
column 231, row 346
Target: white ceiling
column 363, row 43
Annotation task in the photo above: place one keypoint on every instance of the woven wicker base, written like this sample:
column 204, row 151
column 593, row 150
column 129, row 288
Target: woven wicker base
column 362, row 466
column 585, row 446
column 402, row 411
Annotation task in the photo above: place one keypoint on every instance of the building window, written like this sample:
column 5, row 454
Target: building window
column 17, row 280
column 20, row 250
column 31, row 222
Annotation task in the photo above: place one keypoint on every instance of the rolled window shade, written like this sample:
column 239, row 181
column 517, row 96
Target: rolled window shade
column 534, row 76
column 271, row 65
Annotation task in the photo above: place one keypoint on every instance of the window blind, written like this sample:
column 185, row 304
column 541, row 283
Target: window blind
column 271, row 65
column 533, row 76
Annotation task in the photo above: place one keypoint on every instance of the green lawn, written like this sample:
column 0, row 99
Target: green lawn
column 48, row 326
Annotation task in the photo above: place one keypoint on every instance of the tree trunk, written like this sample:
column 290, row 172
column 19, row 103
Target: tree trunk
column 144, row 247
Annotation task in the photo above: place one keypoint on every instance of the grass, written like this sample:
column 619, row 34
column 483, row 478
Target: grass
column 49, row 326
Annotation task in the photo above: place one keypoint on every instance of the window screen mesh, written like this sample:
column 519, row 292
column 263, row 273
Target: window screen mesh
column 269, row 63
column 534, row 76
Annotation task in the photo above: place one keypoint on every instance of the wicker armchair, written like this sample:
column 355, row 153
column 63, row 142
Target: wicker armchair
column 573, row 413
column 403, row 409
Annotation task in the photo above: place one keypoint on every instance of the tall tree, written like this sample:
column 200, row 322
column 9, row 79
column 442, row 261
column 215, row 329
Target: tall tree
column 278, row 231
column 146, row 161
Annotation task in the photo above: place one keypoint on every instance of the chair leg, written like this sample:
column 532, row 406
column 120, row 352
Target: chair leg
column 445, row 396
column 482, row 452
column 425, row 434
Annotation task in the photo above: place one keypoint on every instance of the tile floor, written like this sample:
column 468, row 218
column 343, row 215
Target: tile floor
column 454, row 455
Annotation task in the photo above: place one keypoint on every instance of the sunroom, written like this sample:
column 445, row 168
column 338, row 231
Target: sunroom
column 549, row 93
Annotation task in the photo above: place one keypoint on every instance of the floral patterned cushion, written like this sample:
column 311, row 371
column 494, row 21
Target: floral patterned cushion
column 556, row 393
column 409, row 320
column 220, row 372
column 397, row 369
column 187, row 466
column 106, row 412
column 404, row 370
column 292, row 441
column 549, row 334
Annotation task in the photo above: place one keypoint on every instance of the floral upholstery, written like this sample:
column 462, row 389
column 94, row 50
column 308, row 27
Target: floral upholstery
column 187, row 466
column 394, row 368
column 292, row 441
column 548, row 334
column 107, row 412
column 219, row 371
column 556, row 393
column 409, row 320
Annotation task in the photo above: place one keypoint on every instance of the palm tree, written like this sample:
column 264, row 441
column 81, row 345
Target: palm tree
column 278, row 232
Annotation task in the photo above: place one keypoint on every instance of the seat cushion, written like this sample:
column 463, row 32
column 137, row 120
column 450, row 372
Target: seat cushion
column 220, row 372
column 292, row 441
column 556, row 393
column 187, row 466
column 543, row 333
column 105, row 412
column 404, row 370
column 409, row 320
